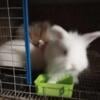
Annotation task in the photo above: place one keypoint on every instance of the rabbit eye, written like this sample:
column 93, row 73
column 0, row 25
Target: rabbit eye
column 65, row 52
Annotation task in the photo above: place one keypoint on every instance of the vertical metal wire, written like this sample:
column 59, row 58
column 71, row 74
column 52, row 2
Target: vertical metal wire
column 1, row 87
column 27, row 42
column 9, row 21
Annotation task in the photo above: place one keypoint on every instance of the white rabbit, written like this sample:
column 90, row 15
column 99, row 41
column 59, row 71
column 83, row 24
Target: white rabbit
column 66, row 53
column 13, row 54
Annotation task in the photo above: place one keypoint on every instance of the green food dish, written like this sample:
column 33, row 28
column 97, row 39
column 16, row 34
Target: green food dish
column 63, row 88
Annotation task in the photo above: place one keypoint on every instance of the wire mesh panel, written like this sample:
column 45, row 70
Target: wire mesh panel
column 11, row 16
column 13, row 82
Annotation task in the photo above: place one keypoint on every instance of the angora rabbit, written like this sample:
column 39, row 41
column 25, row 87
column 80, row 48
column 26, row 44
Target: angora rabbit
column 13, row 54
column 66, row 53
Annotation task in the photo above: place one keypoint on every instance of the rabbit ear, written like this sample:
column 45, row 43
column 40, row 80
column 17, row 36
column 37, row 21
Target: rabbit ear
column 90, row 37
column 56, row 33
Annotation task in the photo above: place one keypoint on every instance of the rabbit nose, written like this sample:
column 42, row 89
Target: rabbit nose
column 70, row 67
column 41, row 43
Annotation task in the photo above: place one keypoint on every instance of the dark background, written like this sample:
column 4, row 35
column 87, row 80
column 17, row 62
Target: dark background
column 83, row 16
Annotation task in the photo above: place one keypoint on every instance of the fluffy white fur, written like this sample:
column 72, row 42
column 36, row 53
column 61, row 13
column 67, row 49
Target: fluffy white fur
column 66, row 53
column 12, row 53
column 75, row 61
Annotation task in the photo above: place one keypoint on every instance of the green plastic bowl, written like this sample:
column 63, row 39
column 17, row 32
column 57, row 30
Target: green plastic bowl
column 63, row 88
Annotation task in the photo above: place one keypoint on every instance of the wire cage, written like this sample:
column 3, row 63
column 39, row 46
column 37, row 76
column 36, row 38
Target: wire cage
column 15, row 82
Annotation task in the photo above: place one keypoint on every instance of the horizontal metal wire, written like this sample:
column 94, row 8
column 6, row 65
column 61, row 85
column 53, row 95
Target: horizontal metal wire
column 11, row 18
column 6, row 8
column 16, row 37
column 7, row 75
column 12, row 52
column 10, row 67
column 11, row 44
column 4, row 27
column 12, row 61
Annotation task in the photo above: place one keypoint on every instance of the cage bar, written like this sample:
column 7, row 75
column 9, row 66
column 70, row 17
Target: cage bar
column 26, row 30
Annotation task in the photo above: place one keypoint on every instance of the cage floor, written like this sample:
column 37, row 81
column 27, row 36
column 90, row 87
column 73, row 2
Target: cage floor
column 13, row 85
column 25, row 96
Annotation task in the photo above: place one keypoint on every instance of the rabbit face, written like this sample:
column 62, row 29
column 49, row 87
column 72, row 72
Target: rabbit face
column 66, row 53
